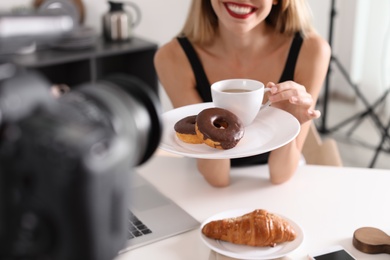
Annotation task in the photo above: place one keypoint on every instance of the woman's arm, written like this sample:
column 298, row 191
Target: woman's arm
column 216, row 172
column 176, row 76
column 299, row 98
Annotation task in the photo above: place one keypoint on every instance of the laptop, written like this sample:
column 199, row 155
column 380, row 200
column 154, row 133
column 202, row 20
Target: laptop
column 153, row 216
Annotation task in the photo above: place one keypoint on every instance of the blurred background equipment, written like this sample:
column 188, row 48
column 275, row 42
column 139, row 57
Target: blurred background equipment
column 369, row 108
column 82, row 36
column 118, row 23
column 52, row 24
column 65, row 165
column 65, row 161
column 41, row 29
column 74, row 6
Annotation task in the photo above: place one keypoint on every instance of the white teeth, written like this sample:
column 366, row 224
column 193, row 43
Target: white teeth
column 239, row 9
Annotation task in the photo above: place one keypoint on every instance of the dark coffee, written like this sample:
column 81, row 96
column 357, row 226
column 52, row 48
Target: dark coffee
column 236, row 90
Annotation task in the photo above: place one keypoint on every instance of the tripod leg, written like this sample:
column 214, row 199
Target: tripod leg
column 385, row 136
column 323, row 128
column 359, row 117
column 378, row 149
column 355, row 126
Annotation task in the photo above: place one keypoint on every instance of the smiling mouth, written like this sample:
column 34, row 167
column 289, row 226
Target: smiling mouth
column 239, row 10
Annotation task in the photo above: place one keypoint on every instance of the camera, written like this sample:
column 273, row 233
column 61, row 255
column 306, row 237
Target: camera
column 66, row 163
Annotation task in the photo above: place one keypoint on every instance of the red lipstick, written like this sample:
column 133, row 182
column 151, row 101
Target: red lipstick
column 239, row 11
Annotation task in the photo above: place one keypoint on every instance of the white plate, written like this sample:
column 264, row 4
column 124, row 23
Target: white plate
column 249, row 252
column 271, row 129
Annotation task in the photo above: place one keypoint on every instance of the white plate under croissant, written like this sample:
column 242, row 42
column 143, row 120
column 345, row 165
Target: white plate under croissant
column 250, row 252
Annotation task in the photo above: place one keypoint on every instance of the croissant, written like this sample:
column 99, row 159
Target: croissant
column 257, row 228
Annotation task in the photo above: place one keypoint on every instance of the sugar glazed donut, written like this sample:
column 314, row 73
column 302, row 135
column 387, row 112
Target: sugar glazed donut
column 219, row 128
column 185, row 130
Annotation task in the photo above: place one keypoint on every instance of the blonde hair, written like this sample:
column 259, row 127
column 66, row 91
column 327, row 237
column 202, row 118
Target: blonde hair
column 287, row 17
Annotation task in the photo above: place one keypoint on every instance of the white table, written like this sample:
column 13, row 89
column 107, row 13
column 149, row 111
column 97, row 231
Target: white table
column 329, row 203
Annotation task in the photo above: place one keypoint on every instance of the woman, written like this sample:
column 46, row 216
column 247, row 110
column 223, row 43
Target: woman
column 267, row 40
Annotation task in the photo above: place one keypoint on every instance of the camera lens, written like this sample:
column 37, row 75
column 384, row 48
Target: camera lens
column 133, row 110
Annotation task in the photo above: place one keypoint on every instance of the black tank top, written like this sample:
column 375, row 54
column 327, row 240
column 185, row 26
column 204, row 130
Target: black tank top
column 203, row 85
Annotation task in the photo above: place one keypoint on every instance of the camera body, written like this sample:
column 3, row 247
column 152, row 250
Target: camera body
column 65, row 165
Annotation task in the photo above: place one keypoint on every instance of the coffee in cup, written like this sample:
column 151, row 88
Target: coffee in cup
column 243, row 97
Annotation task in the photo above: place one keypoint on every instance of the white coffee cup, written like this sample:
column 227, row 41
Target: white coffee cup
column 243, row 97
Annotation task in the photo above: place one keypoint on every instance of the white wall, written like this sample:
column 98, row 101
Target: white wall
column 376, row 54
column 161, row 19
column 360, row 27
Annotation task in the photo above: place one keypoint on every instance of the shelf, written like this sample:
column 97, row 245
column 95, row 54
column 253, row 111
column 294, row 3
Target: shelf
column 73, row 67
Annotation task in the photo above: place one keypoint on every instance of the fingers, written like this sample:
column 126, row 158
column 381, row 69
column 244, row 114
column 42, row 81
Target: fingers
column 283, row 86
column 304, row 99
column 272, row 86
column 296, row 95
column 314, row 114
column 288, row 90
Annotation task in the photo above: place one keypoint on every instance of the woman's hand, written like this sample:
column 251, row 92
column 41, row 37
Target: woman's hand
column 293, row 98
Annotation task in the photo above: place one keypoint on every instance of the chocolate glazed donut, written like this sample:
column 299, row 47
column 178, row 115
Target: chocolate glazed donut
column 219, row 128
column 185, row 130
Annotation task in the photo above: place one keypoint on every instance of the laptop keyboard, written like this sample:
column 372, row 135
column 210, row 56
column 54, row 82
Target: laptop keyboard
column 136, row 227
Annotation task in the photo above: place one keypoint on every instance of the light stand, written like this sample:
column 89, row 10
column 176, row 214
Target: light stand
column 384, row 130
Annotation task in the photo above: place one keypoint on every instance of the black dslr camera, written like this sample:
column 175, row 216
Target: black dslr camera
column 65, row 164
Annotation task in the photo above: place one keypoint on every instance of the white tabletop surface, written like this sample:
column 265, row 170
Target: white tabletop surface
column 329, row 203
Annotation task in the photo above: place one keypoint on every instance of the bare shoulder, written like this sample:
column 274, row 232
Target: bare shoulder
column 315, row 46
column 171, row 57
column 175, row 74
column 169, row 54
column 313, row 62
column 313, row 59
column 166, row 50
